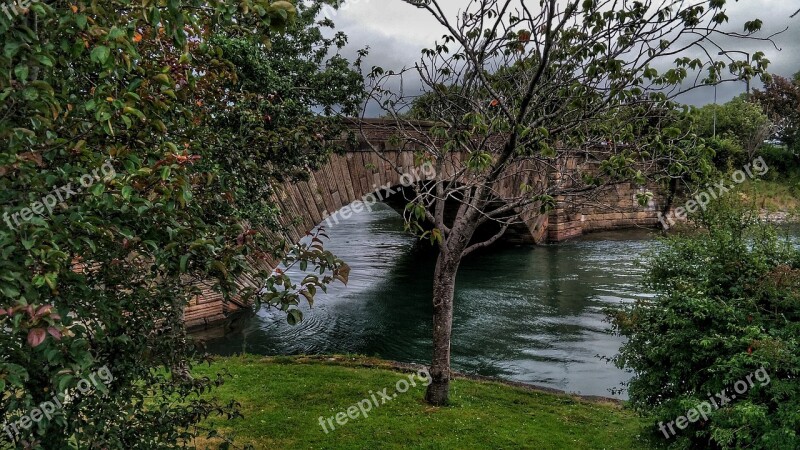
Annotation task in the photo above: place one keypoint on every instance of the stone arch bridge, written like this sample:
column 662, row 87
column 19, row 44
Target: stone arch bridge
column 362, row 175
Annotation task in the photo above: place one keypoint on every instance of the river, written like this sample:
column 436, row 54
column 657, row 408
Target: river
column 532, row 314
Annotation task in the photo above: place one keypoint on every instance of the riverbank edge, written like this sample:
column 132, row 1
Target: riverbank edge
column 780, row 217
column 367, row 362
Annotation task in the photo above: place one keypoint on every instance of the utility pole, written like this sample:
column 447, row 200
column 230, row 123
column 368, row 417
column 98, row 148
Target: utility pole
column 715, row 111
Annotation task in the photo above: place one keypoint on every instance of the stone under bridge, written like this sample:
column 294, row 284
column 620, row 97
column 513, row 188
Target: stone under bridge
column 362, row 174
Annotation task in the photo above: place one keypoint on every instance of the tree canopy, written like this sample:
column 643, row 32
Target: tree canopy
column 781, row 102
column 735, row 130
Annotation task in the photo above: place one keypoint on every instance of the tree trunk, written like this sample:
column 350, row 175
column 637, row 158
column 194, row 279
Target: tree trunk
column 444, row 281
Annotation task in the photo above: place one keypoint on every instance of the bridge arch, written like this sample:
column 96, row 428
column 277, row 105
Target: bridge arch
column 361, row 172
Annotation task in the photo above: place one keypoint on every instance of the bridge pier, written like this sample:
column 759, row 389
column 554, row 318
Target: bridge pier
column 616, row 207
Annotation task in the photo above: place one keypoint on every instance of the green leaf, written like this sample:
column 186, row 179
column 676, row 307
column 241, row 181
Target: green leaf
column 309, row 297
column 81, row 20
column 294, row 316
column 50, row 278
column 45, row 60
column 134, row 111
column 100, row 54
column 163, row 79
column 753, row 26
column 65, row 382
column 21, row 72
column 11, row 48
column 98, row 189
column 30, row 94
column 28, row 243
column 10, row 291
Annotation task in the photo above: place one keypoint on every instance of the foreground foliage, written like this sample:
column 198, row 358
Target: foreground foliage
column 728, row 304
column 117, row 200
column 283, row 398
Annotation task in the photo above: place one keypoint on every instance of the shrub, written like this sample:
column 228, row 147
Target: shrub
column 728, row 153
column 727, row 305
column 781, row 160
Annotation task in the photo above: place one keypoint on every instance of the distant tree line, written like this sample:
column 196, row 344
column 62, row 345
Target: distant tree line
column 765, row 124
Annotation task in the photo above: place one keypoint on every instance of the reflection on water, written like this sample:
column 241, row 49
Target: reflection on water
column 529, row 314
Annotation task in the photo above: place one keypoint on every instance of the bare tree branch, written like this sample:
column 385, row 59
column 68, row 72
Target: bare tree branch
column 486, row 243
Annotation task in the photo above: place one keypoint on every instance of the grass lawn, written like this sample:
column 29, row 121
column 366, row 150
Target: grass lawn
column 283, row 398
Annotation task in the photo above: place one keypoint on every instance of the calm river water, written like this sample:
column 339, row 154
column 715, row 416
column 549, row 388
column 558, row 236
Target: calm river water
column 527, row 314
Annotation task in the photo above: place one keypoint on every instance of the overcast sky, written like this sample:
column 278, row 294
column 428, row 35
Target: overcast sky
column 396, row 32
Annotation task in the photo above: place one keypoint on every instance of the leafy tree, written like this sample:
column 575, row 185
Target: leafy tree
column 781, row 102
column 433, row 104
column 726, row 307
column 298, row 87
column 294, row 87
column 579, row 61
column 119, row 198
column 741, row 129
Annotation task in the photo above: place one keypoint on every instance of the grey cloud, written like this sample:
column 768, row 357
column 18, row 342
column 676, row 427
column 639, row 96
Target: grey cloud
column 396, row 32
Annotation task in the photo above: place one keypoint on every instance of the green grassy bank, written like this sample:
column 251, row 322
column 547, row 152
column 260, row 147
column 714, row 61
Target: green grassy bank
column 773, row 196
column 283, row 398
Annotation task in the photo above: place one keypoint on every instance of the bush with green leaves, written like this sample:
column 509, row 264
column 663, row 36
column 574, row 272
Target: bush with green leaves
column 782, row 161
column 728, row 153
column 727, row 304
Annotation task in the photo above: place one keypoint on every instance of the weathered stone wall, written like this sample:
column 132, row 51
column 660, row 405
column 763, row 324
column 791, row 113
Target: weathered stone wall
column 616, row 208
column 611, row 207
